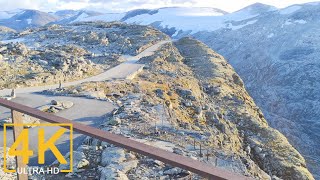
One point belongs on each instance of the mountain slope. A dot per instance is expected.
(9, 14)
(280, 66)
(186, 96)
(74, 16)
(179, 21)
(274, 50)
(28, 19)
(238, 104)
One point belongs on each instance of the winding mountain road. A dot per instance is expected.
(88, 111)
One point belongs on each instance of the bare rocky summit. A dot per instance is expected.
(53, 54)
(187, 100)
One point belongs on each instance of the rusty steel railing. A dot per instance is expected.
(173, 159)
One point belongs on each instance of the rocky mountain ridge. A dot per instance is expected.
(273, 62)
(273, 50)
(53, 54)
(28, 19)
(188, 93)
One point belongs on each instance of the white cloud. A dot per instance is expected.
(125, 5)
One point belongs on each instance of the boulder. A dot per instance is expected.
(54, 102)
(83, 163)
(257, 149)
(67, 104)
(159, 93)
(237, 80)
(112, 155)
(56, 106)
(248, 149)
(187, 104)
(184, 92)
(175, 171)
(114, 121)
(107, 173)
(52, 109)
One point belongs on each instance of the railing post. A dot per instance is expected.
(17, 118)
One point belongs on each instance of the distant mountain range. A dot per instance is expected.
(28, 19)
(275, 51)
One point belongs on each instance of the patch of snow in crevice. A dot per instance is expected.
(185, 11)
(290, 22)
(300, 21)
(289, 10)
(243, 25)
(176, 33)
(105, 17)
(29, 21)
(270, 35)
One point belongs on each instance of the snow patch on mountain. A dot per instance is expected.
(185, 19)
(185, 11)
(291, 22)
(241, 26)
(105, 17)
(29, 21)
(193, 19)
(290, 10)
(300, 21)
(270, 35)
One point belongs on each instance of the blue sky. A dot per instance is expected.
(125, 5)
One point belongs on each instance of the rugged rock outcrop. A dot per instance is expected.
(278, 59)
(189, 100)
(53, 54)
(271, 149)
(275, 51)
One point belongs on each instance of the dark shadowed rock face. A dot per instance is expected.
(278, 59)
(282, 159)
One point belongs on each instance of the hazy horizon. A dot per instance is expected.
(113, 6)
